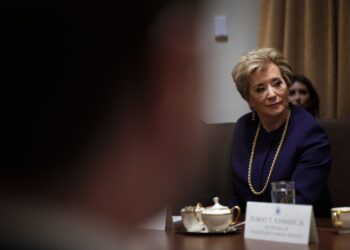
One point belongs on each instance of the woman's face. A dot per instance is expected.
(268, 92)
(299, 95)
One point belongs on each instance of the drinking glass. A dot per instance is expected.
(283, 192)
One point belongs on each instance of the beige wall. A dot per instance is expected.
(222, 102)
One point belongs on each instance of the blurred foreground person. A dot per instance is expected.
(303, 94)
(100, 110)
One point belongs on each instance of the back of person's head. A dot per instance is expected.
(77, 77)
(63, 69)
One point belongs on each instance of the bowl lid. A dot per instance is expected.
(217, 208)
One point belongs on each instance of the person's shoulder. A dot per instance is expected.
(244, 118)
(246, 121)
(304, 121)
(302, 117)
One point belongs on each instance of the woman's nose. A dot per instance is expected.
(297, 97)
(270, 92)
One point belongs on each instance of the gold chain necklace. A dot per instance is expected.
(273, 161)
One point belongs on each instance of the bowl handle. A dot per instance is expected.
(235, 217)
(336, 219)
(198, 216)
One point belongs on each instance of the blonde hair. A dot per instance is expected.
(254, 60)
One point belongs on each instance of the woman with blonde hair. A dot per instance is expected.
(277, 141)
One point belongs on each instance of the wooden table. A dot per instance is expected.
(148, 239)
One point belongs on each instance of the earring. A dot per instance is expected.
(253, 115)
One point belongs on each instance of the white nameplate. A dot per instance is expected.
(280, 222)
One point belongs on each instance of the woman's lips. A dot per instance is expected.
(274, 105)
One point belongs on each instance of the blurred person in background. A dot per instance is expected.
(100, 110)
(302, 93)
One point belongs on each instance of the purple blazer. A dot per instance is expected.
(305, 158)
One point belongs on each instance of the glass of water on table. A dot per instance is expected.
(283, 192)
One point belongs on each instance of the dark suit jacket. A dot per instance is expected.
(305, 158)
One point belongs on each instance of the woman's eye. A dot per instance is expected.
(291, 92)
(277, 84)
(303, 92)
(260, 90)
